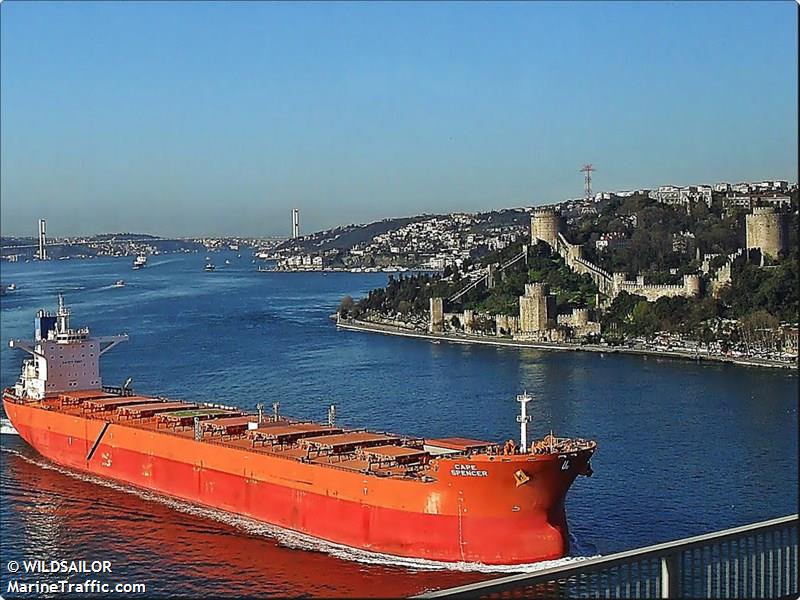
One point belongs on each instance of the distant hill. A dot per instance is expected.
(347, 236)
(121, 237)
(103, 244)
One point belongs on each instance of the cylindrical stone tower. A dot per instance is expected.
(765, 230)
(544, 226)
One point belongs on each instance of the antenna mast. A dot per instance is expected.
(523, 419)
(587, 170)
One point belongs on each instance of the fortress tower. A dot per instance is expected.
(537, 308)
(691, 285)
(765, 230)
(580, 317)
(544, 226)
(437, 315)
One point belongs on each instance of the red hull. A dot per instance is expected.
(491, 520)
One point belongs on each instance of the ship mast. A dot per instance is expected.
(523, 419)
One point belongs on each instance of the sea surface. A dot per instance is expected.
(684, 448)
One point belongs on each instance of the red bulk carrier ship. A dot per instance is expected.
(452, 499)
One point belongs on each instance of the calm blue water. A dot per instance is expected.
(683, 448)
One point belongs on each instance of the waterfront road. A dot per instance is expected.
(463, 338)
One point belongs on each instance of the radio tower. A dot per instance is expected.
(587, 169)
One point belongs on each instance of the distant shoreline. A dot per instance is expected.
(552, 346)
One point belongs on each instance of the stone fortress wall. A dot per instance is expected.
(545, 226)
(579, 322)
(689, 287)
(537, 318)
(723, 276)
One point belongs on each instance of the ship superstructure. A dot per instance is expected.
(63, 358)
(140, 262)
(447, 499)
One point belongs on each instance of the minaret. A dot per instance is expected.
(523, 419)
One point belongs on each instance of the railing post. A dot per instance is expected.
(670, 576)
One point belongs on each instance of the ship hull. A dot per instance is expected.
(490, 519)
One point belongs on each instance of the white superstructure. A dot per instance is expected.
(63, 358)
(523, 419)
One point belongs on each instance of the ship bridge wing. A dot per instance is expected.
(26, 345)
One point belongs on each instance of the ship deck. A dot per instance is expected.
(375, 453)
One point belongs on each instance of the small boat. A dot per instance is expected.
(139, 262)
(119, 283)
(227, 262)
(209, 267)
(12, 287)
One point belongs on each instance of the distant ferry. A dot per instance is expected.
(449, 499)
(140, 261)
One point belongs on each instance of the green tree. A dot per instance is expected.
(346, 306)
(644, 319)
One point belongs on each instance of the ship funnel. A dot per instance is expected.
(523, 419)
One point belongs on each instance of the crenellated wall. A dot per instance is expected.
(652, 292)
(544, 227)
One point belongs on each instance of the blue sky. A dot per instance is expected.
(217, 118)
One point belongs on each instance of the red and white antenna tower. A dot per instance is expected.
(587, 169)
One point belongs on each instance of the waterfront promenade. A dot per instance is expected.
(464, 338)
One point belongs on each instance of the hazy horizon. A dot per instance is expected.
(192, 119)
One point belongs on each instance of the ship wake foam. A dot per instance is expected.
(299, 541)
(6, 428)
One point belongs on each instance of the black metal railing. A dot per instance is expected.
(752, 561)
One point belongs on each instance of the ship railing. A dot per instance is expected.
(759, 560)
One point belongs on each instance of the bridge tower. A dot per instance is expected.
(42, 246)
